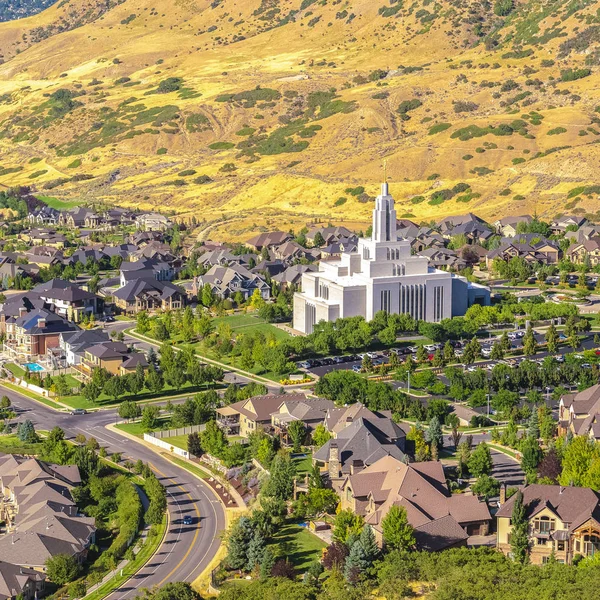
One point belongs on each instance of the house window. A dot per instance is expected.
(560, 546)
(544, 525)
(348, 494)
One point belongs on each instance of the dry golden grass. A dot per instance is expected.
(349, 149)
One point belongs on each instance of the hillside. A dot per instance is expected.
(272, 113)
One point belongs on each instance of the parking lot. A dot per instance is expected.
(353, 362)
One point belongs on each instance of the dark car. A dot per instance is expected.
(79, 411)
(187, 520)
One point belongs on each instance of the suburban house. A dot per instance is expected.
(20, 582)
(225, 282)
(311, 411)
(74, 343)
(292, 276)
(69, 300)
(330, 235)
(358, 445)
(115, 357)
(74, 218)
(244, 417)
(152, 222)
(588, 250)
(43, 215)
(573, 221)
(440, 519)
(42, 520)
(267, 240)
(146, 269)
(508, 226)
(580, 413)
(532, 247)
(149, 295)
(563, 522)
(33, 333)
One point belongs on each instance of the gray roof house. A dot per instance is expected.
(227, 281)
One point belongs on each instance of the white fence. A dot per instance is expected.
(165, 445)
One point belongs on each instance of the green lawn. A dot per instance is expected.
(298, 545)
(189, 467)
(78, 401)
(303, 465)
(11, 444)
(136, 428)
(59, 204)
(249, 322)
(16, 370)
(180, 441)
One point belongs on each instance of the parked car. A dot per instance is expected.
(430, 347)
(357, 368)
(413, 349)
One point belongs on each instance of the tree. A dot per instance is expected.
(297, 433)
(150, 418)
(345, 525)
(480, 462)
(529, 342)
(531, 454)
(207, 297)
(61, 386)
(26, 432)
(237, 541)
(281, 481)
(533, 430)
(552, 339)
(463, 455)
(318, 240)
(486, 486)
(114, 388)
(173, 591)
(434, 433)
(193, 444)
(154, 381)
(320, 436)
(335, 555)
(398, 534)
(213, 439)
(550, 467)
(62, 569)
(91, 392)
(448, 351)
(5, 402)
(519, 540)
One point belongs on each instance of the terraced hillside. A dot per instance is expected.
(262, 113)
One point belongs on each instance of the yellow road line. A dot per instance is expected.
(197, 530)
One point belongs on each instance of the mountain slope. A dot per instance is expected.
(265, 113)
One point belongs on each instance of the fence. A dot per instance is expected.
(167, 433)
(161, 438)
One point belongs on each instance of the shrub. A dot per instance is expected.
(340, 201)
(221, 146)
(186, 173)
(462, 106)
(406, 106)
(557, 131)
(502, 8)
(76, 163)
(438, 128)
(574, 74)
(202, 180)
(161, 151)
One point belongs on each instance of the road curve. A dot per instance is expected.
(187, 549)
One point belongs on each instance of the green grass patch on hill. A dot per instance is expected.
(302, 547)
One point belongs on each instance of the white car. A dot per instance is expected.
(431, 347)
(414, 349)
(486, 352)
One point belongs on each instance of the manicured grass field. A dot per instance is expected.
(11, 444)
(16, 370)
(303, 465)
(189, 467)
(180, 441)
(300, 546)
(136, 428)
(59, 204)
(250, 323)
(31, 395)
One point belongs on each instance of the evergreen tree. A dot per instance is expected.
(255, 552)
(367, 541)
(356, 563)
(519, 540)
(434, 434)
(281, 481)
(448, 351)
(529, 343)
(533, 429)
(552, 339)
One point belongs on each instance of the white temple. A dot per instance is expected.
(381, 275)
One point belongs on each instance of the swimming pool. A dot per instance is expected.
(34, 367)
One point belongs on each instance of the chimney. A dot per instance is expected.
(502, 494)
(42, 323)
(356, 466)
(22, 311)
(334, 460)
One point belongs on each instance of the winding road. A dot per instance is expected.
(187, 549)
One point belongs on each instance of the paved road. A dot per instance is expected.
(186, 550)
(505, 468)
